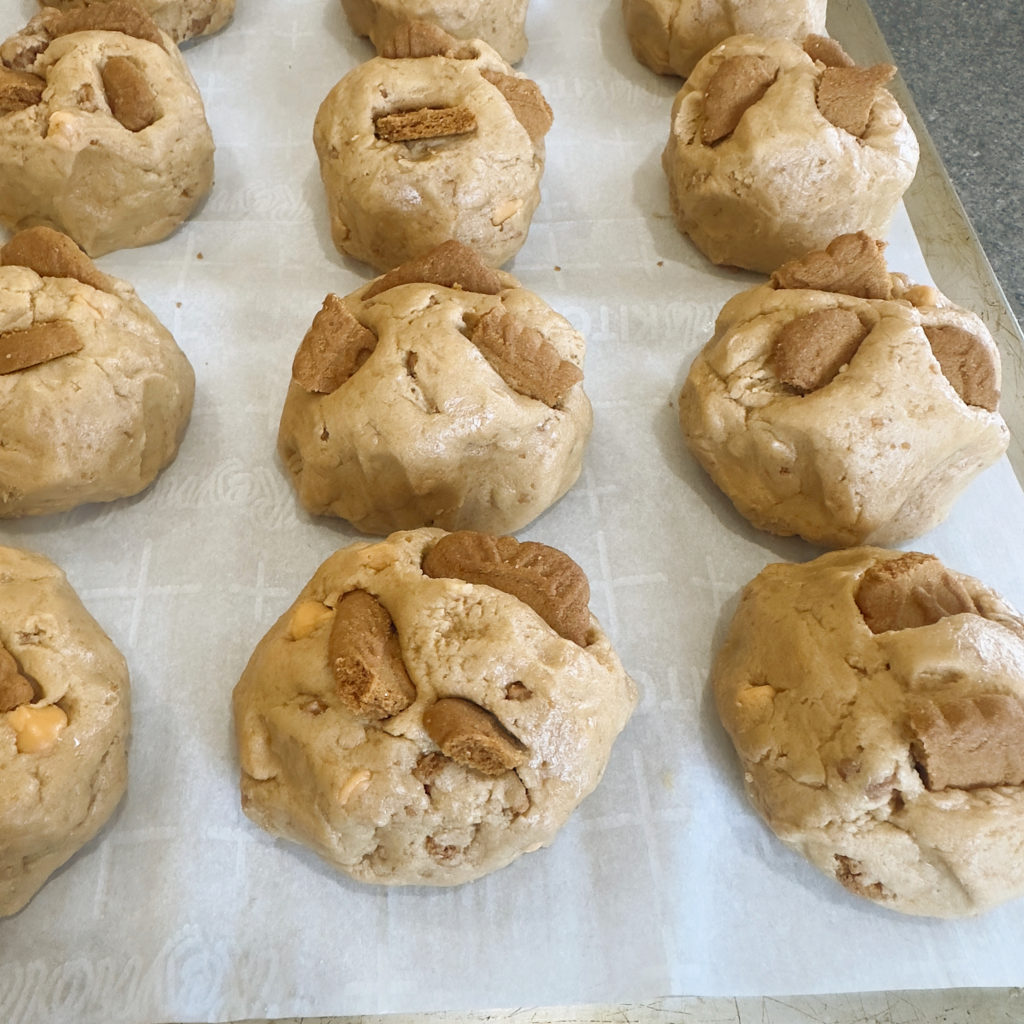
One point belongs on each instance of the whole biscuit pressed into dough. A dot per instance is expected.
(98, 423)
(114, 148)
(670, 36)
(427, 431)
(392, 794)
(499, 23)
(876, 454)
(63, 765)
(464, 160)
(180, 19)
(779, 178)
(890, 754)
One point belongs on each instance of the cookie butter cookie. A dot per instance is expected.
(102, 129)
(95, 394)
(876, 701)
(774, 149)
(844, 403)
(499, 23)
(670, 36)
(64, 718)
(180, 19)
(436, 139)
(431, 706)
(441, 394)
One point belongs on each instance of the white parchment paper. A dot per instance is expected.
(665, 881)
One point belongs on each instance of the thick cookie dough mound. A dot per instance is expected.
(844, 403)
(94, 393)
(876, 701)
(499, 23)
(670, 36)
(436, 140)
(773, 152)
(441, 394)
(102, 129)
(64, 715)
(180, 19)
(431, 706)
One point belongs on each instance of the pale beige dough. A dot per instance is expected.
(817, 707)
(876, 456)
(97, 424)
(68, 163)
(376, 798)
(670, 36)
(499, 23)
(426, 432)
(180, 19)
(53, 800)
(391, 201)
(785, 180)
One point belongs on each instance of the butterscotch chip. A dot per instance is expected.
(810, 350)
(107, 16)
(852, 264)
(508, 729)
(366, 658)
(526, 100)
(912, 590)
(450, 264)
(129, 95)
(892, 760)
(471, 736)
(828, 51)
(15, 689)
(971, 366)
(53, 254)
(425, 123)
(738, 83)
(334, 347)
(971, 742)
(523, 357)
(847, 95)
(546, 579)
(19, 89)
(37, 344)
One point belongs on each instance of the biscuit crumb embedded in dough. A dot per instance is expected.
(37, 344)
(53, 254)
(828, 51)
(970, 366)
(738, 83)
(851, 264)
(810, 350)
(334, 347)
(19, 89)
(847, 95)
(425, 123)
(471, 736)
(15, 689)
(451, 264)
(129, 94)
(103, 16)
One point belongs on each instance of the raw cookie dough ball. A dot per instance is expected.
(63, 725)
(180, 19)
(876, 701)
(499, 23)
(416, 150)
(844, 403)
(441, 394)
(431, 706)
(102, 129)
(94, 393)
(670, 36)
(772, 153)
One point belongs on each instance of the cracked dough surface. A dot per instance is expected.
(124, 398)
(180, 19)
(816, 705)
(391, 201)
(68, 163)
(786, 180)
(499, 23)
(315, 773)
(54, 801)
(670, 36)
(426, 433)
(876, 456)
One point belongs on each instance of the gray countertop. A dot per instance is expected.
(960, 60)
